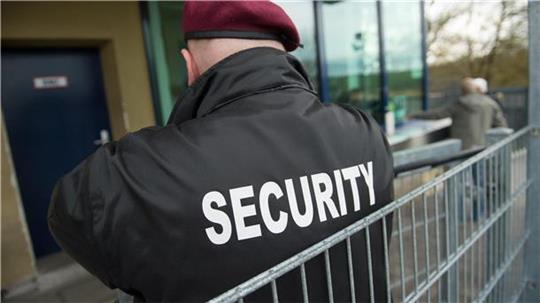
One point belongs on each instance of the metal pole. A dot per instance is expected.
(532, 249)
(324, 86)
(383, 77)
(425, 70)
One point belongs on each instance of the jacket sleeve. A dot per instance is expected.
(438, 113)
(498, 117)
(76, 213)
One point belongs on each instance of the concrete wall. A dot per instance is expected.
(17, 254)
(114, 28)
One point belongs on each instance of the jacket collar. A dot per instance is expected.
(241, 74)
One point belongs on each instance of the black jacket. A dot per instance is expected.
(251, 169)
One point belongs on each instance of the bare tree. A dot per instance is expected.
(502, 28)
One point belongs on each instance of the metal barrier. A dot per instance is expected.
(459, 237)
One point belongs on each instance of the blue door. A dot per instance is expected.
(55, 112)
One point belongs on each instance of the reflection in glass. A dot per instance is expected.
(302, 15)
(166, 41)
(173, 40)
(352, 53)
(403, 55)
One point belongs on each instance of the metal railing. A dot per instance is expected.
(458, 237)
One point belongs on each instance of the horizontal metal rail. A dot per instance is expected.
(436, 161)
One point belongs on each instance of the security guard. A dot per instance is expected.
(251, 169)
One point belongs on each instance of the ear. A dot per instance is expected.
(192, 68)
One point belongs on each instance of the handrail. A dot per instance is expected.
(436, 161)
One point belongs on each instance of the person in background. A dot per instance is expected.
(483, 88)
(482, 85)
(472, 115)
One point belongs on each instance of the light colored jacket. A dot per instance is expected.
(472, 115)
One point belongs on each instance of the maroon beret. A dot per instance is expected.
(239, 19)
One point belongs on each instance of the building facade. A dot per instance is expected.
(368, 54)
(75, 74)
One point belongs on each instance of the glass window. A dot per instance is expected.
(403, 55)
(352, 53)
(166, 40)
(303, 17)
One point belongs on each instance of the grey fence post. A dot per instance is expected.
(502, 169)
(532, 248)
(495, 135)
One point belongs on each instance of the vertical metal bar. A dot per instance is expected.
(470, 215)
(464, 227)
(328, 276)
(447, 221)
(478, 195)
(386, 262)
(370, 267)
(426, 243)
(351, 270)
(504, 218)
(478, 267)
(470, 272)
(499, 263)
(415, 253)
(473, 270)
(485, 259)
(383, 77)
(449, 280)
(401, 261)
(478, 245)
(438, 244)
(496, 183)
(489, 252)
(439, 293)
(486, 212)
(497, 223)
(464, 204)
(305, 294)
(426, 236)
(470, 209)
(485, 188)
(457, 279)
(456, 212)
(456, 208)
(274, 292)
(437, 231)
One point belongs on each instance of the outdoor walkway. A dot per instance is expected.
(62, 280)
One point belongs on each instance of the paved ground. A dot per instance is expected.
(61, 280)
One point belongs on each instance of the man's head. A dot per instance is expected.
(468, 86)
(215, 30)
(481, 85)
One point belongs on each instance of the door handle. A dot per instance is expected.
(103, 137)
